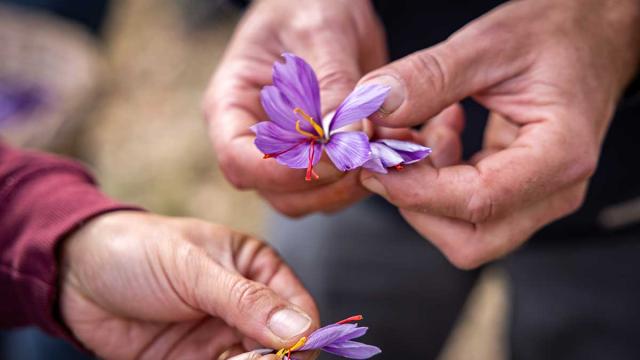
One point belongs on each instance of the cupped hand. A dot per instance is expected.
(551, 73)
(342, 40)
(137, 285)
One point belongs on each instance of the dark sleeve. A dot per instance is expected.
(42, 199)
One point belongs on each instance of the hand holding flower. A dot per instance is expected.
(137, 285)
(551, 97)
(341, 40)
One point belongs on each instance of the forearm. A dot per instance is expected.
(42, 198)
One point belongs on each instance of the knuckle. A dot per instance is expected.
(247, 295)
(229, 167)
(432, 70)
(575, 200)
(334, 76)
(465, 257)
(480, 207)
(586, 166)
(285, 208)
(307, 29)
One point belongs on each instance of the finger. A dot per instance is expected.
(257, 261)
(528, 170)
(331, 197)
(499, 132)
(469, 245)
(208, 340)
(334, 57)
(381, 132)
(425, 82)
(373, 50)
(235, 350)
(253, 308)
(498, 135)
(442, 134)
(254, 355)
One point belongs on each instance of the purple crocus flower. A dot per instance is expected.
(336, 339)
(388, 153)
(296, 135)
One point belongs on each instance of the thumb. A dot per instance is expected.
(251, 307)
(426, 82)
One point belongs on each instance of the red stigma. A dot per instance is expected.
(350, 319)
(310, 171)
(399, 167)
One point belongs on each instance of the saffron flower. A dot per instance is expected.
(387, 153)
(296, 136)
(336, 339)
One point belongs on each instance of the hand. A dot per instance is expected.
(137, 285)
(551, 73)
(341, 39)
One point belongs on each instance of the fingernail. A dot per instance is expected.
(289, 323)
(396, 94)
(372, 184)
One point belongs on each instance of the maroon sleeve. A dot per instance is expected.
(42, 198)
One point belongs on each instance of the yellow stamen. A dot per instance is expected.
(282, 352)
(313, 123)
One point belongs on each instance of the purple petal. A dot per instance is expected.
(382, 157)
(410, 152)
(328, 335)
(298, 156)
(272, 139)
(353, 350)
(386, 154)
(362, 102)
(278, 108)
(356, 333)
(296, 80)
(289, 148)
(348, 150)
(375, 165)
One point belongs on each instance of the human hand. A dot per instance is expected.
(551, 73)
(341, 39)
(137, 285)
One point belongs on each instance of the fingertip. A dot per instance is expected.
(446, 145)
(370, 182)
(394, 100)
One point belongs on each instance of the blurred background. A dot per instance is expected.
(118, 85)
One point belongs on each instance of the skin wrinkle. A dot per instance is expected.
(148, 346)
(176, 344)
(99, 328)
(163, 269)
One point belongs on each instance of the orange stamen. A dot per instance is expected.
(305, 133)
(310, 120)
(399, 167)
(350, 319)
